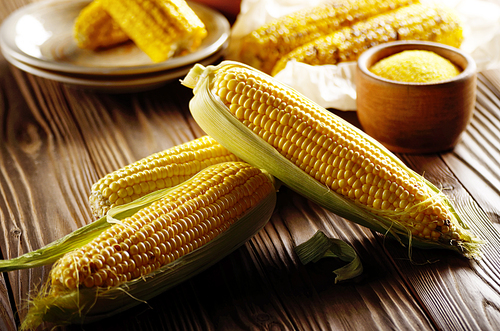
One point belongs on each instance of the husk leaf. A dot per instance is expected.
(320, 246)
(50, 253)
(212, 115)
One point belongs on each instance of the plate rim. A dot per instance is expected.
(115, 83)
(172, 63)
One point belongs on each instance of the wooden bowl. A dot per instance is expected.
(415, 117)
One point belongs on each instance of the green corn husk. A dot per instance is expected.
(52, 252)
(211, 114)
(319, 246)
(88, 305)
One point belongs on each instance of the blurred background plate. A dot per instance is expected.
(41, 35)
(114, 84)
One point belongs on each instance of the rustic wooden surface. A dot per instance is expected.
(57, 140)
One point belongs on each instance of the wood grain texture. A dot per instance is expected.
(379, 298)
(57, 140)
(469, 288)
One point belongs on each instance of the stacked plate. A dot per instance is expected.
(38, 39)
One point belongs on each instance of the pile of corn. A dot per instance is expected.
(340, 31)
(206, 197)
(161, 28)
(415, 66)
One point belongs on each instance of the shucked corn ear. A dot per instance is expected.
(428, 22)
(322, 156)
(161, 28)
(157, 171)
(94, 28)
(159, 246)
(265, 46)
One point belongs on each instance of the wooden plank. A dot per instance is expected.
(60, 140)
(442, 281)
(14, 126)
(7, 320)
(43, 192)
(378, 299)
(468, 288)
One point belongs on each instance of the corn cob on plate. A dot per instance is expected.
(56, 50)
(322, 157)
(95, 29)
(150, 248)
(161, 28)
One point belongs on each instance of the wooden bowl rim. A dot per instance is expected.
(469, 70)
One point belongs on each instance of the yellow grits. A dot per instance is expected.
(415, 66)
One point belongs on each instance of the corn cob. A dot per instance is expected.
(157, 171)
(180, 234)
(265, 46)
(322, 156)
(94, 28)
(161, 28)
(428, 22)
(184, 220)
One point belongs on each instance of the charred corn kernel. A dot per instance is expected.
(428, 22)
(161, 28)
(187, 218)
(94, 28)
(263, 47)
(348, 153)
(160, 170)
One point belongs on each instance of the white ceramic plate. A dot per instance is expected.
(113, 84)
(41, 35)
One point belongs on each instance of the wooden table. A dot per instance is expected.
(57, 140)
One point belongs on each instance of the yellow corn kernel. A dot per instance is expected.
(94, 28)
(324, 141)
(265, 46)
(161, 28)
(157, 171)
(428, 22)
(187, 218)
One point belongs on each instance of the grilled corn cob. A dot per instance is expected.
(157, 171)
(266, 45)
(428, 22)
(191, 227)
(161, 28)
(321, 156)
(94, 28)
